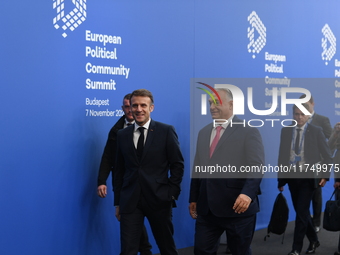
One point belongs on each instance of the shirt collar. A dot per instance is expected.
(146, 125)
(225, 125)
(302, 127)
(127, 123)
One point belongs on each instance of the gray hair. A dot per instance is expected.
(228, 93)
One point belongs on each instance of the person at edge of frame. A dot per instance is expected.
(323, 122)
(302, 146)
(334, 145)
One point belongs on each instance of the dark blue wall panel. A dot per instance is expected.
(51, 149)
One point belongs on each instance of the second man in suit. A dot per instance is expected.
(225, 204)
(324, 123)
(303, 148)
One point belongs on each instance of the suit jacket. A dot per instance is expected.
(324, 123)
(238, 146)
(334, 145)
(109, 155)
(157, 175)
(315, 150)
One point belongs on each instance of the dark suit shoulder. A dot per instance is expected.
(117, 126)
(205, 131)
(314, 128)
(285, 129)
(125, 131)
(324, 123)
(163, 127)
(155, 124)
(319, 117)
(310, 128)
(237, 122)
(207, 127)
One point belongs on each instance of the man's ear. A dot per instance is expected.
(152, 107)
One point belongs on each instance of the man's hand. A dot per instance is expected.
(242, 203)
(192, 210)
(117, 214)
(102, 191)
(322, 182)
(337, 128)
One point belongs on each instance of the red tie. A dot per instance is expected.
(215, 141)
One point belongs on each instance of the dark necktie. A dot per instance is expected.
(140, 143)
(297, 141)
(297, 145)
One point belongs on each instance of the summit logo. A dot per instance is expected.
(328, 40)
(256, 27)
(71, 20)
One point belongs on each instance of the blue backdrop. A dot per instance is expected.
(60, 56)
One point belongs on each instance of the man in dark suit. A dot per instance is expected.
(324, 123)
(334, 145)
(225, 202)
(108, 160)
(149, 172)
(303, 149)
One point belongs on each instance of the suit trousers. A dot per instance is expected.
(239, 230)
(131, 226)
(301, 191)
(144, 244)
(317, 206)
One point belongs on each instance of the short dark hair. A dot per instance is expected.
(127, 96)
(142, 93)
(311, 100)
(304, 105)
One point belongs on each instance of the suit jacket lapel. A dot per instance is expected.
(149, 138)
(228, 132)
(288, 141)
(206, 141)
(307, 142)
(132, 144)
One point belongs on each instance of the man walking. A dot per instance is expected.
(149, 172)
(107, 165)
(302, 147)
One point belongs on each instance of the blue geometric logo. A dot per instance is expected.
(71, 20)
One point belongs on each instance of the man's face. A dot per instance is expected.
(224, 111)
(141, 108)
(300, 117)
(127, 110)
